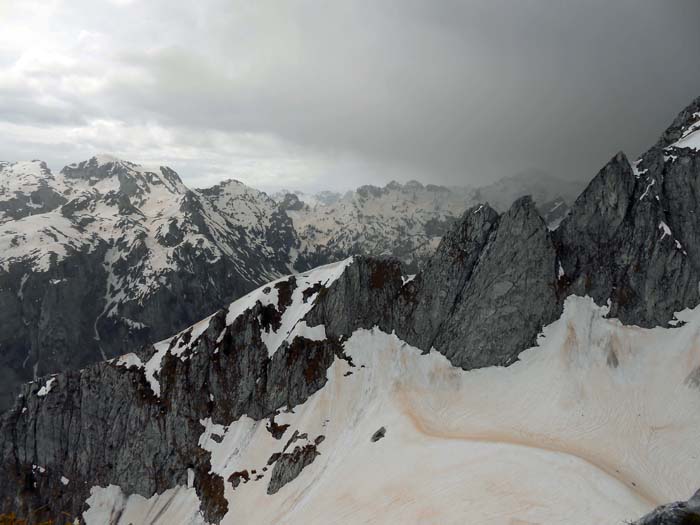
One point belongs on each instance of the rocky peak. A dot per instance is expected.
(618, 242)
(491, 274)
(291, 202)
(28, 188)
(483, 298)
(686, 122)
(107, 173)
(97, 167)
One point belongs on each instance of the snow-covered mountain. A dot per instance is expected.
(109, 254)
(408, 220)
(28, 188)
(523, 375)
(403, 220)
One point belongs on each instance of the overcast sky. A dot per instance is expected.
(332, 94)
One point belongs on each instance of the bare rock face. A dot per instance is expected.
(495, 304)
(679, 513)
(105, 424)
(618, 243)
(290, 464)
(110, 255)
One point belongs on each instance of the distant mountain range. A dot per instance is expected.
(407, 220)
(108, 254)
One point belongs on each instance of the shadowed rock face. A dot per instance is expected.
(618, 242)
(492, 285)
(679, 513)
(104, 424)
(490, 274)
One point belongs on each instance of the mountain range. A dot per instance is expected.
(108, 254)
(523, 375)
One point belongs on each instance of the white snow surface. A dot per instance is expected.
(597, 424)
(44, 390)
(691, 136)
(109, 505)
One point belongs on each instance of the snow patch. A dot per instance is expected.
(176, 506)
(129, 360)
(44, 390)
(665, 229)
(646, 191)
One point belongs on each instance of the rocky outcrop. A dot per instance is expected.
(290, 464)
(626, 241)
(679, 513)
(488, 291)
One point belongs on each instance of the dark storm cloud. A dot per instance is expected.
(341, 93)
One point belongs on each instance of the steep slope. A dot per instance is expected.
(127, 255)
(256, 415)
(352, 393)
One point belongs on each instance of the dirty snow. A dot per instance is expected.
(598, 424)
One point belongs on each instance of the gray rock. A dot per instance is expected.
(104, 424)
(379, 434)
(289, 465)
(508, 295)
(618, 243)
(679, 513)
(86, 308)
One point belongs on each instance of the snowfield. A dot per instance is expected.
(597, 424)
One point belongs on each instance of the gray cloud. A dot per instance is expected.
(334, 94)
